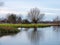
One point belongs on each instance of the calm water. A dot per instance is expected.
(43, 36)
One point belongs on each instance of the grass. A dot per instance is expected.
(24, 25)
(8, 29)
(12, 28)
(5, 30)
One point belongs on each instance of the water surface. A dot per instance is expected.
(43, 36)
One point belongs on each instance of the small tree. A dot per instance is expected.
(19, 20)
(57, 20)
(25, 21)
(35, 15)
(12, 18)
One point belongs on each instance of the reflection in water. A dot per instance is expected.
(6, 34)
(34, 37)
(35, 29)
(42, 36)
(26, 29)
(56, 28)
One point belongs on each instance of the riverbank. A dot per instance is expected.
(27, 25)
(13, 28)
(5, 30)
(24, 25)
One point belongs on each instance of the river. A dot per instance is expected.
(27, 36)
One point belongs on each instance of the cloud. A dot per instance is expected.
(1, 3)
(6, 11)
(51, 11)
(24, 11)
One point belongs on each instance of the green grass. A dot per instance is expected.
(12, 28)
(24, 25)
(8, 31)
(8, 28)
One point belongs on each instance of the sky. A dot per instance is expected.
(51, 8)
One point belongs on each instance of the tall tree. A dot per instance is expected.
(12, 18)
(34, 15)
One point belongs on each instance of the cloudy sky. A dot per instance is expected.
(51, 8)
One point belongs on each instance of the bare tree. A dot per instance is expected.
(57, 20)
(35, 15)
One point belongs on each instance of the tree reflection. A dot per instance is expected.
(56, 28)
(26, 29)
(6, 34)
(35, 29)
(34, 36)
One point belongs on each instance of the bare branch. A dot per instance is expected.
(34, 15)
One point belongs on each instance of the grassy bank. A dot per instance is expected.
(7, 30)
(12, 28)
(24, 25)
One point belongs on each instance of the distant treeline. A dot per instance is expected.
(14, 19)
(25, 21)
(33, 16)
